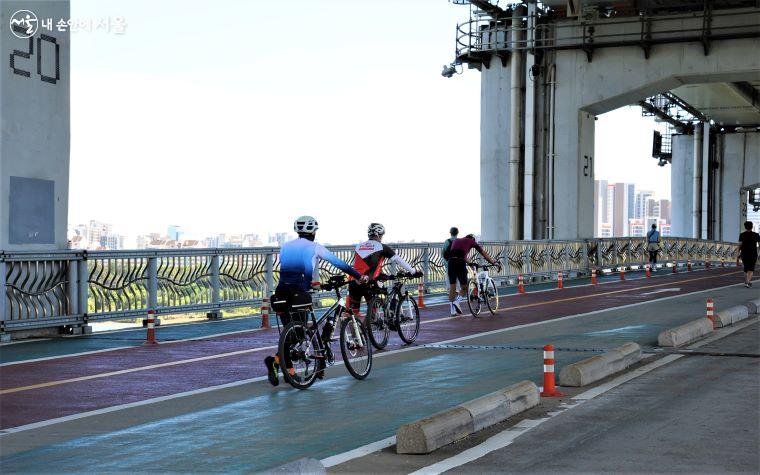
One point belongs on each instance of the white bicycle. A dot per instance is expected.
(482, 289)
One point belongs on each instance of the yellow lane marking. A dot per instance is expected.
(579, 297)
(132, 370)
(252, 350)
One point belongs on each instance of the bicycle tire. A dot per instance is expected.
(413, 322)
(474, 303)
(295, 333)
(348, 349)
(492, 296)
(375, 323)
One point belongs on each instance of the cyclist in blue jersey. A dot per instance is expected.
(299, 272)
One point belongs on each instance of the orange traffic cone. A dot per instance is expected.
(559, 281)
(520, 285)
(550, 390)
(593, 276)
(420, 293)
(711, 311)
(675, 267)
(622, 273)
(688, 265)
(648, 270)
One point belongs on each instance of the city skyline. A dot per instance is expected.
(624, 210)
(225, 155)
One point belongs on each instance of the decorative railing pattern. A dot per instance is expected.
(72, 287)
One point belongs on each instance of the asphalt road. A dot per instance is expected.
(248, 427)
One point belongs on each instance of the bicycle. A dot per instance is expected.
(481, 288)
(301, 344)
(392, 309)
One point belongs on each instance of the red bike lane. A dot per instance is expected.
(42, 390)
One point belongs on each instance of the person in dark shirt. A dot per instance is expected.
(748, 241)
(457, 269)
(446, 253)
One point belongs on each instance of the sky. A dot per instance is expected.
(238, 116)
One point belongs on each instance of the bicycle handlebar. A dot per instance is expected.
(483, 266)
(399, 276)
(334, 282)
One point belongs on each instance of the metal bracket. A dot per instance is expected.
(646, 35)
(706, 23)
(588, 41)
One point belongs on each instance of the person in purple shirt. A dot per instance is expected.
(458, 252)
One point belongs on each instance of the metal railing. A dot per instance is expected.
(482, 33)
(75, 287)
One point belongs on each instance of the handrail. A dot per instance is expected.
(44, 289)
(484, 34)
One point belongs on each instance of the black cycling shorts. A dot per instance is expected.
(749, 263)
(355, 293)
(458, 271)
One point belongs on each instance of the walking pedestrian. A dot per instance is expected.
(653, 246)
(748, 241)
(446, 251)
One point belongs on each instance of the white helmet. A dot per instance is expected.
(375, 229)
(305, 225)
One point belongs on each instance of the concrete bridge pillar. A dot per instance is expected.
(682, 186)
(495, 125)
(34, 122)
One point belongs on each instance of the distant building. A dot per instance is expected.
(113, 242)
(174, 232)
(621, 210)
(95, 232)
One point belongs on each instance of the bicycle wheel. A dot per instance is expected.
(300, 349)
(355, 348)
(408, 319)
(473, 301)
(375, 323)
(491, 296)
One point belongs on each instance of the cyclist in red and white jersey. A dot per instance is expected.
(369, 257)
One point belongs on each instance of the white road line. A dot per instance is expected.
(506, 437)
(358, 452)
(383, 354)
(104, 350)
(213, 335)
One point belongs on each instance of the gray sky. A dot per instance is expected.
(238, 116)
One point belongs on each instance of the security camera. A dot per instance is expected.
(448, 70)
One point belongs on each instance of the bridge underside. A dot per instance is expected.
(542, 88)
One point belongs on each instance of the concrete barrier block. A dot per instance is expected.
(599, 367)
(731, 315)
(522, 396)
(487, 410)
(426, 435)
(753, 307)
(300, 466)
(685, 333)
